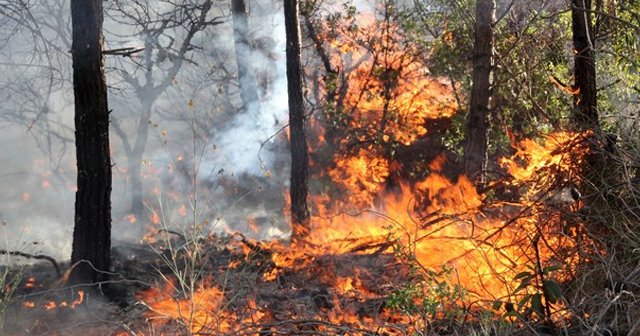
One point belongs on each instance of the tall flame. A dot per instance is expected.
(439, 221)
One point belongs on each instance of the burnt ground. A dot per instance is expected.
(319, 294)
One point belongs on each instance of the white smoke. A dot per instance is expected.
(244, 143)
(44, 217)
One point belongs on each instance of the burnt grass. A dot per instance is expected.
(299, 299)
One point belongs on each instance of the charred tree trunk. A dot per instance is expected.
(248, 85)
(475, 151)
(92, 230)
(585, 100)
(299, 155)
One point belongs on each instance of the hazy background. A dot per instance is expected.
(203, 150)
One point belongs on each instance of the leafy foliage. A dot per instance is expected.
(536, 291)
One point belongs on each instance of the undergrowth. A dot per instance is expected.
(604, 292)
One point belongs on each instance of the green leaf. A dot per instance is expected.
(522, 275)
(551, 291)
(497, 304)
(550, 269)
(524, 284)
(524, 301)
(536, 304)
(512, 313)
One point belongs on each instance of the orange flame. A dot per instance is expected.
(437, 220)
(199, 312)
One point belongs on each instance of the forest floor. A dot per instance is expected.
(326, 294)
(233, 286)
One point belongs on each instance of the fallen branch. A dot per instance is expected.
(35, 256)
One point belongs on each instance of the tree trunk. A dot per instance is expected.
(92, 230)
(299, 155)
(248, 85)
(585, 100)
(134, 160)
(597, 168)
(135, 187)
(475, 151)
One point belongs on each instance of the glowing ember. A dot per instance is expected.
(182, 211)
(51, 304)
(45, 184)
(132, 218)
(79, 300)
(31, 282)
(155, 218)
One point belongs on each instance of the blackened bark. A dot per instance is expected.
(92, 230)
(299, 155)
(475, 151)
(585, 100)
(248, 85)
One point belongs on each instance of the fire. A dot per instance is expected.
(155, 218)
(344, 285)
(31, 283)
(132, 218)
(449, 223)
(561, 152)
(252, 225)
(52, 304)
(199, 312)
(364, 175)
(443, 223)
(389, 97)
(440, 225)
(79, 300)
(182, 210)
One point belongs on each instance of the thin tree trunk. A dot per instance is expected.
(135, 158)
(92, 230)
(585, 100)
(135, 186)
(475, 151)
(248, 85)
(597, 168)
(149, 90)
(299, 155)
